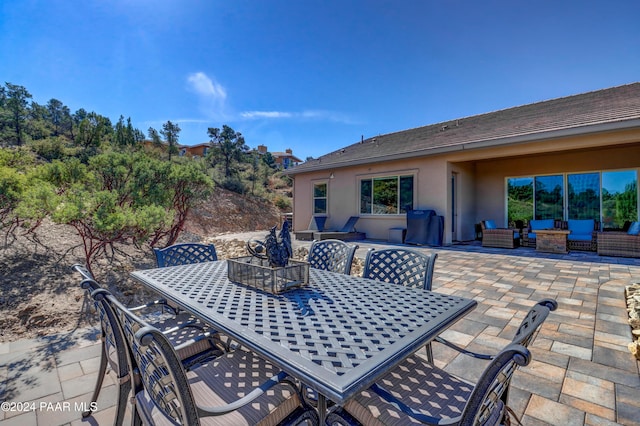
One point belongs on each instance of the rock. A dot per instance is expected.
(635, 349)
(633, 307)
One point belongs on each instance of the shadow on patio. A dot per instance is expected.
(582, 372)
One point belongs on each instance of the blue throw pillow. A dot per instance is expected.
(489, 224)
(634, 229)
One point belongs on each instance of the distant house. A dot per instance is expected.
(284, 159)
(565, 158)
(200, 150)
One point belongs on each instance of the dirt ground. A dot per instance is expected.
(40, 294)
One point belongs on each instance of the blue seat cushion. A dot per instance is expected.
(531, 235)
(541, 224)
(516, 235)
(489, 224)
(579, 237)
(634, 229)
(580, 226)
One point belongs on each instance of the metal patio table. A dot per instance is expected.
(337, 335)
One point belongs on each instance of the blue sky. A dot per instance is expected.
(312, 75)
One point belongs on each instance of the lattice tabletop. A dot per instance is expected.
(337, 335)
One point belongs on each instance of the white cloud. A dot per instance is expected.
(206, 87)
(319, 115)
(265, 114)
(213, 96)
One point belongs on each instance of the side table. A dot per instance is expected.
(552, 240)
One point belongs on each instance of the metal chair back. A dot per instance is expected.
(426, 394)
(332, 255)
(82, 270)
(114, 353)
(487, 403)
(184, 254)
(461, 404)
(159, 367)
(531, 323)
(401, 266)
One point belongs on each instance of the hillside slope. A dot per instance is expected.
(40, 295)
(228, 212)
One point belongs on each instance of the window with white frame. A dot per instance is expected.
(320, 198)
(386, 195)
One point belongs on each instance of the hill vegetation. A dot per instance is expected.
(75, 188)
(108, 182)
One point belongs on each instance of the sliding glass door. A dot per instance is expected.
(549, 195)
(609, 196)
(583, 197)
(619, 198)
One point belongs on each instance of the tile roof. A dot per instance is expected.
(616, 107)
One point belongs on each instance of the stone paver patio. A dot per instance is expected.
(582, 372)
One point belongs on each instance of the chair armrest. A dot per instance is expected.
(191, 323)
(386, 395)
(186, 344)
(232, 406)
(505, 231)
(462, 350)
(160, 302)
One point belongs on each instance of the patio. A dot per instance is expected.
(582, 372)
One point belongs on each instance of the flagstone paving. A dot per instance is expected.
(582, 372)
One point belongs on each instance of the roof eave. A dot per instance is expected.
(479, 144)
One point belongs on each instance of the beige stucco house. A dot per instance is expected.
(565, 158)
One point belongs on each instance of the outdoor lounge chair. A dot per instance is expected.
(184, 254)
(315, 225)
(347, 233)
(193, 342)
(237, 388)
(493, 236)
(332, 255)
(418, 392)
(402, 266)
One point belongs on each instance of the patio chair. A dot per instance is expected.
(525, 333)
(162, 303)
(625, 244)
(402, 266)
(191, 339)
(583, 234)
(184, 254)
(492, 236)
(237, 388)
(447, 399)
(332, 255)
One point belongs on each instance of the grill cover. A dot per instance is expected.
(424, 227)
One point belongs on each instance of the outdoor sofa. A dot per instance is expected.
(583, 235)
(623, 244)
